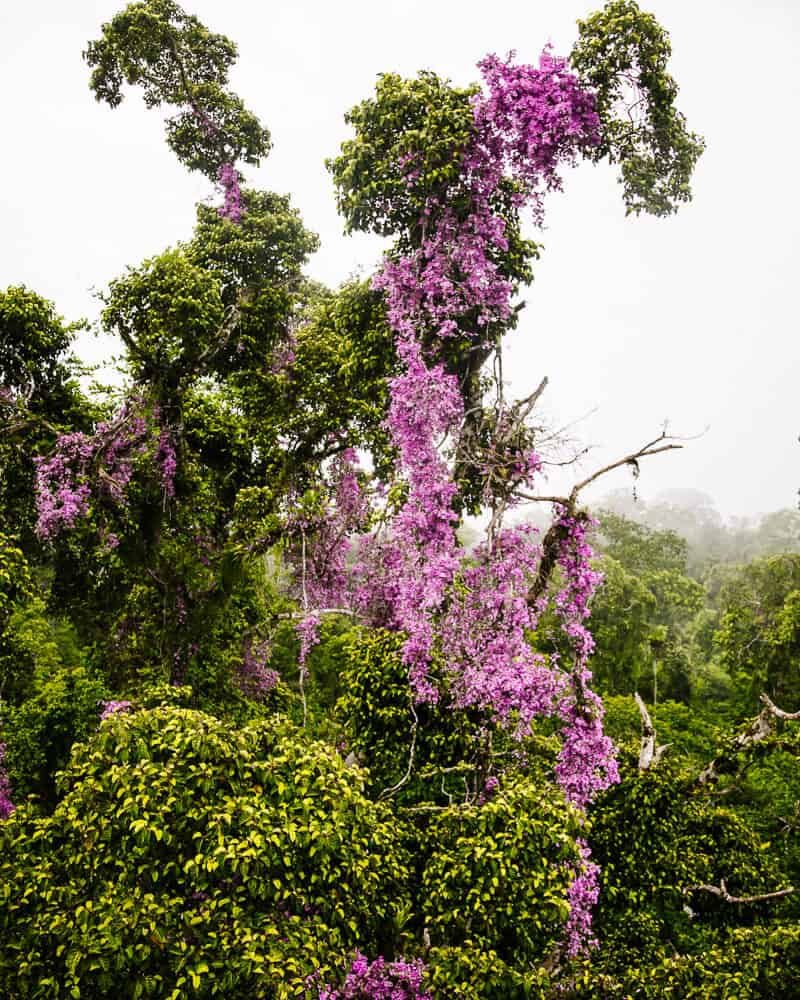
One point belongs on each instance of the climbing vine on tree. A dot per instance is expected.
(320, 746)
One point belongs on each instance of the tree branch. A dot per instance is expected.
(758, 730)
(649, 754)
(721, 892)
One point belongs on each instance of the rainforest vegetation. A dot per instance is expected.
(308, 686)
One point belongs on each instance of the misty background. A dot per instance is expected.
(689, 319)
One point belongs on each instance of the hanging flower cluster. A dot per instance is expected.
(378, 980)
(254, 677)
(472, 613)
(6, 805)
(527, 123)
(586, 763)
(483, 634)
(582, 895)
(228, 179)
(83, 468)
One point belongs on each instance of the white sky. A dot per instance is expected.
(691, 318)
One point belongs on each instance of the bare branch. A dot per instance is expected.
(779, 712)
(759, 729)
(395, 788)
(649, 754)
(721, 892)
(632, 459)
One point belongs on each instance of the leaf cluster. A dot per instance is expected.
(622, 53)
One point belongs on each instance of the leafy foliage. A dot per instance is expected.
(177, 61)
(187, 855)
(622, 54)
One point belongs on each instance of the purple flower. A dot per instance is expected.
(6, 805)
(112, 707)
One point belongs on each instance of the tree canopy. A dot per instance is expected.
(269, 727)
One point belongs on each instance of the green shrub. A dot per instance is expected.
(40, 732)
(497, 874)
(188, 858)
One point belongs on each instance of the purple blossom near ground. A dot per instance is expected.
(583, 893)
(113, 707)
(378, 980)
(6, 805)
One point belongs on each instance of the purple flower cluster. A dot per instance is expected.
(83, 468)
(583, 893)
(475, 612)
(254, 677)
(167, 462)
(379, 980)
(308, 632)
(228, 179)
(586, 763)
(61, 495)
(425, 406)
(321, 542)
(528, 121)
(6, 805)
(483, 634)
(112, 707)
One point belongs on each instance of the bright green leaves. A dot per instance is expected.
(39, 396)
(185, 851)
(409, 140)
(33, 341)
(168, 313)
(622, 53)
(15, 577)
(498, 874)
(269, 246)
(178, 61)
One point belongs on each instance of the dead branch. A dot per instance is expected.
(778, 712)
(396, 787)
(758, 730)
(631, 460)
(649, 754)
(721, 892)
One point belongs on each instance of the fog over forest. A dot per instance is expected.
(689, 318)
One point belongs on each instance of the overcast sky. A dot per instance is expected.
(690, 319)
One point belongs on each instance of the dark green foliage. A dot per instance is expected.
(693, 738)
(622, 53)
(623, 655)
(375, 711)
(639, 548)
(334, 391)
(267, 247)
(759, 632)
(39, 734)
(16, 589)
(757, 962)
(39, 397)
(186, 857)
(497, 874)
(474, 972)
(642, 615)
(177, 61)
(167, 312)
(655, 835)
(422, 125)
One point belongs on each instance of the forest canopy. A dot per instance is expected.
(269, 726)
